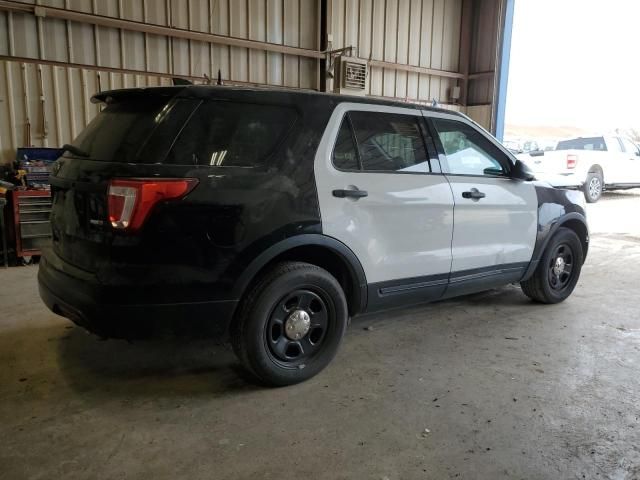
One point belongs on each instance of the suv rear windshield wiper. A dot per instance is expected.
(73, 149)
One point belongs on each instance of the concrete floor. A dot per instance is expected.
(505, 388)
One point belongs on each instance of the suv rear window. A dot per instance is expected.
(590, 143)
(118, 133)
(231, 134)
(217, 132)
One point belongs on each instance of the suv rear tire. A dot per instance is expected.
(291, 324)
(559, 269)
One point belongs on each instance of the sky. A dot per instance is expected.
(575, 63)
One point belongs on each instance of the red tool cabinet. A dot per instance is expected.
(31, 211)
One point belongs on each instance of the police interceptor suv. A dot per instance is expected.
(272, 217)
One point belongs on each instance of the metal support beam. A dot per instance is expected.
(414, 68)
(466, 35)
(84, 66)
(479, 75)
(323, 14)
(503, 70)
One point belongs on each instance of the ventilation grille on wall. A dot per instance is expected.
(355, 75)
(352, 77)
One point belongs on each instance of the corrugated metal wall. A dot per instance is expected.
(486, 34)
(286, 22)
(486, 22)
(50, 67)
(423, 33)
(48, 104)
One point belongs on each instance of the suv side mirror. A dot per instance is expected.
(521, 171)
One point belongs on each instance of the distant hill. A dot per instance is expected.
(539, 131)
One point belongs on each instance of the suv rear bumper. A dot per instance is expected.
(83, 303)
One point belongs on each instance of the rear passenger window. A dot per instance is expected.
(231, 134)
(389, 142)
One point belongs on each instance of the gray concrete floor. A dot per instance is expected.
(505, 387)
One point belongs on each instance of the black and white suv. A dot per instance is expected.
(274, 216)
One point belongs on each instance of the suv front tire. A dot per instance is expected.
(559, 269)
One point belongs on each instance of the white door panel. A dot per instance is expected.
(618, 168)
(632, 174)
(614, 167)
(634, 170)
(402, 228)
(630, 162)
(497, 229)
(613, 162)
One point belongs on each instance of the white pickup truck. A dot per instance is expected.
(592, 164)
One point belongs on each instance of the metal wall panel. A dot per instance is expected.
(48, 105)
(27, 121)
(486, 34)
(287, 22)
(44, 101)
(481, 114)
(423, 33)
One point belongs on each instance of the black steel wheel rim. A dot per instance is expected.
(561, 267)
(283, 345)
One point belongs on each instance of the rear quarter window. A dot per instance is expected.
(590, 143)
(231, 134)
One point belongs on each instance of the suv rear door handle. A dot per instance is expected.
(350, 193)
(473, 194)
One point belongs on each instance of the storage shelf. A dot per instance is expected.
(28, 204)
(37, 235)
(26, 212)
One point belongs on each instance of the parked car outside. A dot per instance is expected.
(593, 164)
(514, 146)
(271, 217)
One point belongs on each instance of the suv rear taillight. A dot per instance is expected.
(572, 161)
(131, 200)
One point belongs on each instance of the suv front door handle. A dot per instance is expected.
(356, 193)
(474, 194)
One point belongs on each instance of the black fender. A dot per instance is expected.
(546, 231)
(357, 275)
